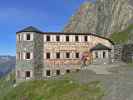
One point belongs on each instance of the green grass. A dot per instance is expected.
(122, 37)
(55, 90)
(6, 84)
(130, 64)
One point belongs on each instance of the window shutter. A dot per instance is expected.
(31, 35)
(24, 55)
(24, 37)
(31, 55)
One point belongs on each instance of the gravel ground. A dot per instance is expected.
(117, 79)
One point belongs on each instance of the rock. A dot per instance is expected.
(84, 20)
(103, 17)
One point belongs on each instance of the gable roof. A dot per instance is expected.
(100, 47)
(30, 29)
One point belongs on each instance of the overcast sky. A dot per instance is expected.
(47, 15)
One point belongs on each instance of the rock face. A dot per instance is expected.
(84, 20)
(103, 17)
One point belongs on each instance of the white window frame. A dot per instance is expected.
(25, 36)
(31, 55)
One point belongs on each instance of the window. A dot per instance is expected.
(57, 72)
(48, 72)
(57, 38)
(77, 55)
(76, 38)
(67, 71)
(28, 74)
(67, 55)
(47, 38)
(104, 55)
(48, 55)
(28, 37)
(28, 55)
(96, 54)
(67, 38)
(58, 55)
(85, 38)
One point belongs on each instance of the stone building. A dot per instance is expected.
(101, 54)
(44, 54)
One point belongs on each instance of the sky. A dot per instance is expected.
(46, 15)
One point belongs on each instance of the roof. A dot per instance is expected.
(30, 29)
(34, 29)
(100, 47)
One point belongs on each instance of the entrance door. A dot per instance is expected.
(27, 74)
(86, 58)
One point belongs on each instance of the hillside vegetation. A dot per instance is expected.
(54, 90)
(122, 37)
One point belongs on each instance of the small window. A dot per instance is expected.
(58, 55)
(28, 37)
(86, 38)
(28, 55)
(48, 38)
(57, 38)
(67, 55)
(96, 54)
(76, 38)
(104, 54)
(57, 72)
(67, 71)
(77, 55)
(67, 38)
(28, 74)
(48, 55)
(48, 72)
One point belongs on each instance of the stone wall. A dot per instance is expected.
(22, 65)
(123, 52)
(38, 56)
(127, 53)
(118, 52)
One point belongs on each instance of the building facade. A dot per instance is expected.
(44, 54)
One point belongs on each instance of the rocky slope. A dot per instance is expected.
(103, 17)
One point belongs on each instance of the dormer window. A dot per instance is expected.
(28, 36)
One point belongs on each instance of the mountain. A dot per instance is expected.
(7, 63)
(103, 17)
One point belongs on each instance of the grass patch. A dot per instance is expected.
(130, 64)
(55, 90)
(122, 37)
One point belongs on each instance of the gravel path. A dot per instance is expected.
(117, 80)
